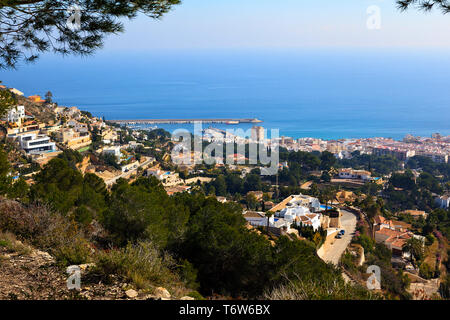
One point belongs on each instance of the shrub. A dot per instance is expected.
(196, 295)
(10, 243)
(74, 253)
(425, 271)
(347, 261)
(320, 290)
(429, 239)
(141, 264)
(38, 225)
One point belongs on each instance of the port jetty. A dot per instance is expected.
(184, 121)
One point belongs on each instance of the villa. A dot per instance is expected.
(348, 173)
(114, 150)
(36, 144)
(16, 115)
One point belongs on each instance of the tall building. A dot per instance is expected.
(257, 133)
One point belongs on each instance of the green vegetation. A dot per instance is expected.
(141, 263)
(7, 101)
(378, 165)
(139, 233)
(156, 239)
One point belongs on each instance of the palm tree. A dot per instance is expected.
(416, 250)
(269, 214)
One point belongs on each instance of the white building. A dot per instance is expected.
(259, 219)
(313, 204)
(157, 173)
(36, 144)
(115, 151)
(443, 202)
(349, 173)
(16, 92)
(77, 126)
(301, 216)
(16, 115)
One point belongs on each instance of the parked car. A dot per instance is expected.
(342, 232)
(338, 236)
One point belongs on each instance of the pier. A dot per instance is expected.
(184, 121)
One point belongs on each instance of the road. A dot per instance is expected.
(125, 175)
(334, 248)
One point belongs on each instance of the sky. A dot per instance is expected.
(283, 24)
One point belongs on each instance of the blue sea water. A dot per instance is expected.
(323, 93)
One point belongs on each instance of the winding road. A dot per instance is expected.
(334, 248)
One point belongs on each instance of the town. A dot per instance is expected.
(343, 196)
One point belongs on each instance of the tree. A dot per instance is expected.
(252, 201)
(416, 248)
(28, 28)
(268, 215)
(58, 184)
(18, 190)
(48, 97)
(5, 167)
(7, 101)
(220, 186)
(142, 211)
(427, 5)
(327, 160)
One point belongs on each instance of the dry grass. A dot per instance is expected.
(430, 257)
(319, 290)
(9, 242)
(37, 224)
(141, 264)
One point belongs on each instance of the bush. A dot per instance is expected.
(425, 271)
(366, 242)
(10, 243)
(141, 264)
(196, 295)
(429, 239)
(347, 261)
(47, 230)
(318, 290)
(74, 253)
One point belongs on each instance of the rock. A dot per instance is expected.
(131, 293)
(84, 267)
(44, 255)
(186, 298)
(162, 293)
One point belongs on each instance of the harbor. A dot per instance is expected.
(185, 121)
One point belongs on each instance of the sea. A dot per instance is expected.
(322, 93)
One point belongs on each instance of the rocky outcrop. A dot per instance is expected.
(36, 276)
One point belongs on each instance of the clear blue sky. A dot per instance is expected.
(283, 24)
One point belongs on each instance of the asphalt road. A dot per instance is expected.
(336, 247)
(126, 175)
